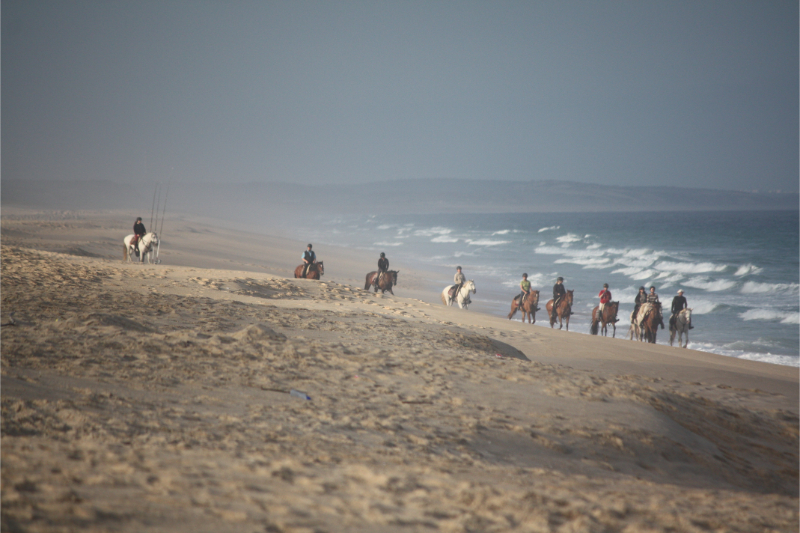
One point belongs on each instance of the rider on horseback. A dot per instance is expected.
(459, 279)
(559, 291)
(678, 304)
(652, 298)
(309, 258)
(138, 233)
(641, 298)
(383, 266)
(605, 297)
(525, 288)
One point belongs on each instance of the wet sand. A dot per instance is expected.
(156, 398)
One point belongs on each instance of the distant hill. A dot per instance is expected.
(249, 200)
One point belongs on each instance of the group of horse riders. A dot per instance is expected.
(679, 302)
(559, 291)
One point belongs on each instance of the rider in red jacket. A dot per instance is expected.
(605, 297)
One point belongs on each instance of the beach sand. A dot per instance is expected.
(156, 398)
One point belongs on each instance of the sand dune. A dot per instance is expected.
(156, 398)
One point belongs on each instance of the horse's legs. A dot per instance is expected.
(514, 310)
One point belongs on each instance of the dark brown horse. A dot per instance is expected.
(315, 270)
(609, 316)
(386, 282)
(529, 307)
(563, 310)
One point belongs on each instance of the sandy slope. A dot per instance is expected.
(154, 398)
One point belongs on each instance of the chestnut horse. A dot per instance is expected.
(608, 316)
(529, 307)
(315, 270)
(563, 310)
(386, 282)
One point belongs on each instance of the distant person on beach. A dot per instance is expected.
(559, 291)
(525, 288)
(678, 304)
(138, 233)
(383, 266)
(641, 298)
(309, 258)
(652, 298)
(459, 279)
(605, 297)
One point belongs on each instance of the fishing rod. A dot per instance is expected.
(152, 207)
(163, 213)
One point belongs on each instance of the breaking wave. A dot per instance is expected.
(751, 287)
(485, 242)
(710, 285)
(783, 317)
(748, 269)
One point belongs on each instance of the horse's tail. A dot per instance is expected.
(444, 300)
(513, 309)
(124, 253)
(593, 329)
(367, 281)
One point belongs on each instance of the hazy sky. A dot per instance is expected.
(695, 93)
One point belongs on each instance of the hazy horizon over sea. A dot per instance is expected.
(739, 270)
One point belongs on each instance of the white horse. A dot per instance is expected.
(146, 244)
(682, 323)
(462, 297)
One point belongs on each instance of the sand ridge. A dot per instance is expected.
(154, 398)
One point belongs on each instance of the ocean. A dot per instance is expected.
(739, 270)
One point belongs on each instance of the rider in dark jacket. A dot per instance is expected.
(309, 258)
(559, 291)
(383, 266)
(641, 298)
(678, 304)
(138, 232)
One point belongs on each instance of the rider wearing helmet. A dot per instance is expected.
(558, 292)
(605, 297)
(309, 258)
(383, 266)
(138, 233)
(525, 288)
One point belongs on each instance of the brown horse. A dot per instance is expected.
(529, 307)
(386, 282)
(563, 310)
(315, 270)
(609, 316)
(649, 322)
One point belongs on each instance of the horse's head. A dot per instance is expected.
(471, 286)
(153, 237)
(535, 297)
(394, 276)
(569, 297)
(321, 268)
